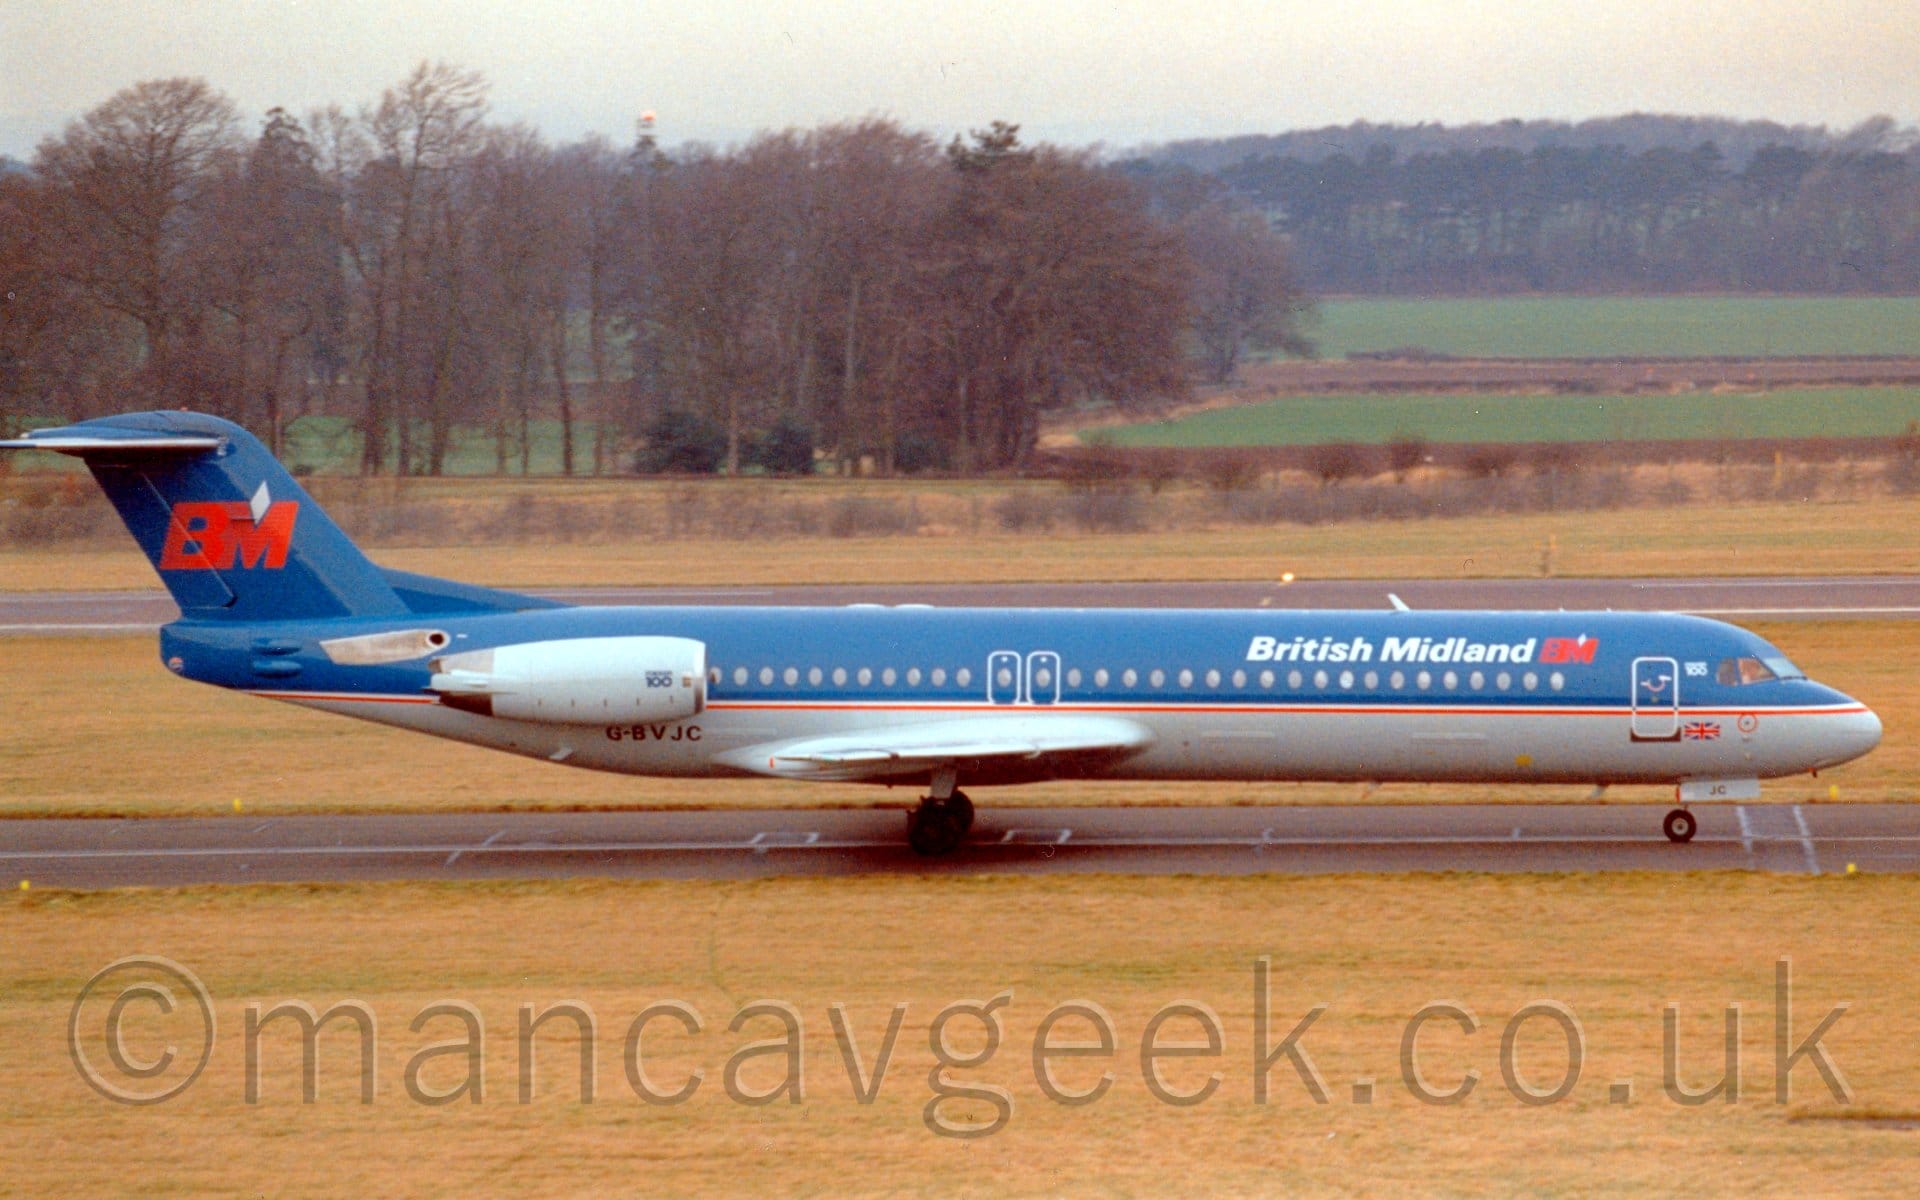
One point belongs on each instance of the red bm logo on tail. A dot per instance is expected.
(217, 535)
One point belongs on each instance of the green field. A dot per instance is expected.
(1624, 326)
(1305, 420)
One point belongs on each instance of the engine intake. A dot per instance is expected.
(578, 681)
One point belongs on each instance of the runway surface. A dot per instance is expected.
(1863, 596)
(734, 844)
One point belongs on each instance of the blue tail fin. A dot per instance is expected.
(233, 535)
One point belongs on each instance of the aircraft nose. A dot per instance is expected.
(1856, 733)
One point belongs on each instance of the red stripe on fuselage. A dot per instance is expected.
(978, 706)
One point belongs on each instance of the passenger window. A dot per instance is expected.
(866, 676)
(1158, 678)
(814, 676)
(1239, 679)
(1398, 679)
(1424, 679)
(888, 676)
(1373, 680)
(939, 676)
(1266, 679)
(1101, 677)
(790, 676)
(1131, 677)
(740, 676)
(913, 676)
(1451, 679)
(766, 675)
(1320, 679)
(1073, 677)
(1213, 679)
(963, 676)
(839, 676)
(1293, 679)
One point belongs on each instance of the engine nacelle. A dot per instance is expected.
(578, 681)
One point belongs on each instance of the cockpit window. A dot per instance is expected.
(1735, 672)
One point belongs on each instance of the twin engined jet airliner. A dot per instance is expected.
(276, 601)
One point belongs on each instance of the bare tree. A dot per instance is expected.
(878, 191)
(405, 221)
(712, 279)
(1244, 293)
(124, 181)
(591, 182)
(1053, 283)
(267, 260)
(60, 353)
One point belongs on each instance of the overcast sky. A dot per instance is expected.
(1072, 71)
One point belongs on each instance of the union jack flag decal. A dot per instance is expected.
(1701, 731)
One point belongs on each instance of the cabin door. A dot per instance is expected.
(1656, 700)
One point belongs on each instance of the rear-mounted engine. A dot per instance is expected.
(578, 681)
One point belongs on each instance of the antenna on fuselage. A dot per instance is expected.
(1399, 605)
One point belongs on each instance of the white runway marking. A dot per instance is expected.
(782, 839)
(1806, 841)
(1042, 837)
(1746, 829)
(455, 856)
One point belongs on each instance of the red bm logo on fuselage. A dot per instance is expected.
(217, 535)
(1569, 650)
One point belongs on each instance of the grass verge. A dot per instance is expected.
(1782, 538)
(1614, 950)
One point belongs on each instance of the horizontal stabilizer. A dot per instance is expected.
(67, 441)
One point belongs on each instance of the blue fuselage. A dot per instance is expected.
(1547, 696)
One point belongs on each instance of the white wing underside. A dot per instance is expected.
(990, 742)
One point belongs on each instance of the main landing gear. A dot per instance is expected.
(1680, 825)
(938, 826)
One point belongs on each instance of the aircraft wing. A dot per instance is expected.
(980, 743)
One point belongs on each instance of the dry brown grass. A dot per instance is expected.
(1732, 539)
(97, 726)
(1615, 949)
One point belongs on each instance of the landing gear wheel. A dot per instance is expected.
(934, 830)
(1680, 825)
(961, 810)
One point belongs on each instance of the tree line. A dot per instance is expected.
(857, 289)
(1540, 207)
